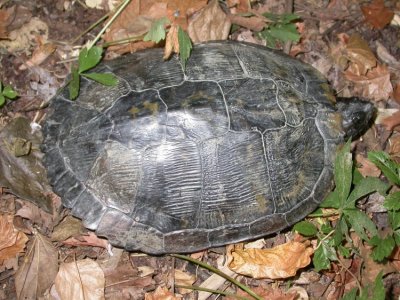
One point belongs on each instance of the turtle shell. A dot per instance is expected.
(237, 145)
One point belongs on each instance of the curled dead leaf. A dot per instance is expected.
(366, 167)
(279, 262)
(171, 42)
(12, 241)
(161, 293)
(183, 278)
(374, 85)
(83, 279)
(377, 14)
(38, 270)
(361, 57)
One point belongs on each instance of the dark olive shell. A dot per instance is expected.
(237, 145)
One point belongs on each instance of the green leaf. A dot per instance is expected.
(366, 186)
(2, 100)
(360, 222)
(306, 228)
(323, 256)
(331, 201)
(326, 228)
(89, 59)
(340, 232)
(284, 32)
(103, 78)
(9, 92)
(379, 292)
(289, 18)
(383, 247)
(74, 84)
(185, 46)
(383, 161)
(392, 201)
(394, 219)
(345, 252)
(357, 176)
(157, 31)
(396, 236)
(350, 295)
(343, 173)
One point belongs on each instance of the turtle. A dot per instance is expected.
(238, 144)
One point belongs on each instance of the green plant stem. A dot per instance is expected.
(122, 41)
(324, 238)
(90, 28)
(199, 288)
(220, 273)
(117, 13)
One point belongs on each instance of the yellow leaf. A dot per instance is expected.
(280, 262)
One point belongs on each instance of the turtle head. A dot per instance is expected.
(357, 116)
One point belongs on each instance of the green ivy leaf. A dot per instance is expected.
(9, 92)
(185, 46)
(383, 161)
(284, 32)
(2, 100)
(366, 186)
(343, 173)
(103, 78)
(306, 228)
(345, 252)
(379, 292)
(323, 256)
(89, 59)
(360, 222)
(350, 295)
(392, 201)
(157, 31)
(383, 247)
(74, 84)
(394, 219)
(340, 232)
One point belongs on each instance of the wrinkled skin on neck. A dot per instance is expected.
(357, 116)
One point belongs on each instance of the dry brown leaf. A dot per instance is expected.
(269, 293)
(89, 239)
(83, 279)
(279, 262)
(5, 17)
(171, 42)
(161, 293)
(69, 226)
(138, 16)
(254, 23)
(183, 278)
(361, 57)
(38, 270)
(12, 241)
(375, 85)
(377, 14)
(211, 23)
(239, 6)
(394, 143)
(36, 215)
(396, 93)
(125, 282)
(39, 55)
(366, 167)
(391, 122)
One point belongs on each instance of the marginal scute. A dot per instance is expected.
(238, 145)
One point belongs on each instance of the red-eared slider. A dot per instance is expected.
(237, 145)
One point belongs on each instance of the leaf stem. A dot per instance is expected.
(220, 273)
(117, 13)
